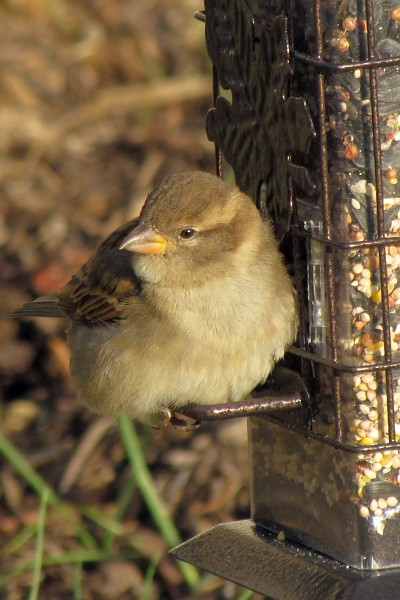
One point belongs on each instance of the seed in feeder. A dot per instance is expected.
(377, 297)
(371, 190)
(360, 186)
(366, 290)
(374, 434)
(343, 43)
(364, 512)
(378, 457)
(357, 236)
(366, 441)
(387, 463)
(378, 348)
(357, 268)
(362, 396)
(392, 121)
(395, 261)
(368, 377)
(373, 262)
(371, 395)
(358, 350)
(391, 501)
(348, 139)
(367, 339)
(355, 204)
(345, 95)
(396, 462)
(349, 23)
(364, 282)
(351, 152)
(391, 174)
(373, 505)
(395, 14)
(364, 409)
(382, 503)
(362, 25)
(376, 467)
(378, 512)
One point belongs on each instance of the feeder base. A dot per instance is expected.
(252, 557)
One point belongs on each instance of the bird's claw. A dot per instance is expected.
(183, 422)
(166, 417)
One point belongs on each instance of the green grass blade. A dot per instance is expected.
(124, 500)
(37, 570)
(80, 556)
(149, 578)
(18, 460)
(32, 477)
(153, 500)
(77, 582)
(246, 595)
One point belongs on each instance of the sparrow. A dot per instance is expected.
(188, 303)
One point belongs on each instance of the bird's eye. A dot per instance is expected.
(187, 233)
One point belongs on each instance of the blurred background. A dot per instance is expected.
(98, 100)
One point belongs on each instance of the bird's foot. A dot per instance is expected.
(167, 417)
(183, 422)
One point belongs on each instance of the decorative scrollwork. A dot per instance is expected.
(262, 129)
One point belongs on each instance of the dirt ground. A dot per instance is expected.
(98, 100)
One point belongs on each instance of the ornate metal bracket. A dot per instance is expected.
(264, 131)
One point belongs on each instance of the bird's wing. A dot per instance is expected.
(96, 293)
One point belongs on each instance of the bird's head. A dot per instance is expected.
(189, 222)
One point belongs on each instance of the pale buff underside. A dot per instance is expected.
(204, 353)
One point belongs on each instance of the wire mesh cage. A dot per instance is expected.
(312, 132)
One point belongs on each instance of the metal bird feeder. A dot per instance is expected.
(307, 114)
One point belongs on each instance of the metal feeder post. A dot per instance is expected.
(312, 132)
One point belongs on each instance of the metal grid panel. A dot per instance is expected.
(262, 96)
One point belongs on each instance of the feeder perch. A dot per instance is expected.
(311, 130)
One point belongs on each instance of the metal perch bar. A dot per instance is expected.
(249, 407)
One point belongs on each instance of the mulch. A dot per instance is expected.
(98, 100)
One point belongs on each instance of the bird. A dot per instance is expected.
(189, 303)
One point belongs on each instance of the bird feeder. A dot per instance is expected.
(307, 114)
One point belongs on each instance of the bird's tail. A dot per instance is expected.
(41, 307)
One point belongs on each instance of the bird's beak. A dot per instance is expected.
(144, 239)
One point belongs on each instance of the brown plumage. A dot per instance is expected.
(189, 303)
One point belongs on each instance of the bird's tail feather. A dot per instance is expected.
(41, 307)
